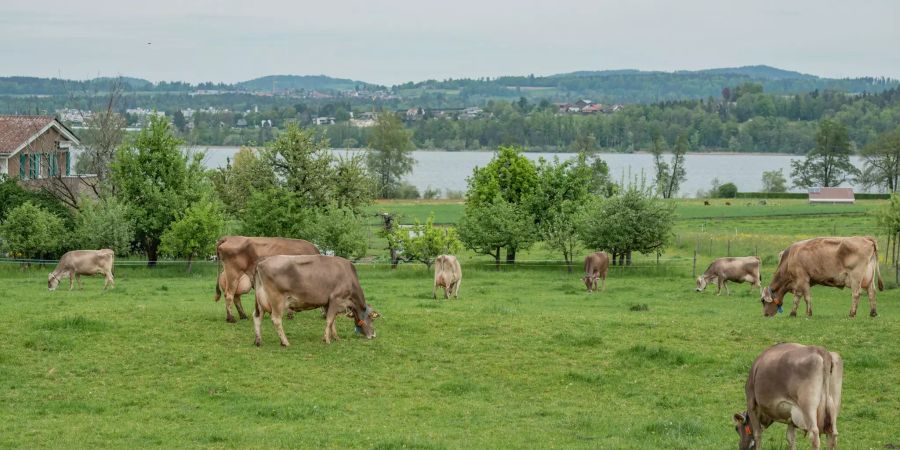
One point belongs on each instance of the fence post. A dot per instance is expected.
(729, 248)
(695, 264)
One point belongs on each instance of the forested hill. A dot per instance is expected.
(608, 86)
(633, 86)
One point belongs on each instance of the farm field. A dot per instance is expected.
(524, 359)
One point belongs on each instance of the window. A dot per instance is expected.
(35, 165)
(53, 164)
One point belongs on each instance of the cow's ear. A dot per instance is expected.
(738, 419)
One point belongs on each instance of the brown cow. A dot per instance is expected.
(448, 275)
(833, 261)
(239, 255)
(737, 269)
(297, 283)
(795, 384)
(83, 262)
(595, 267)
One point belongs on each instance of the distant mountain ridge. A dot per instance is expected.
(757, 71)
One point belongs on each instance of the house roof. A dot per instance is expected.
(831, 194)
(16, 132)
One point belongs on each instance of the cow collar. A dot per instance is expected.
(360, 322)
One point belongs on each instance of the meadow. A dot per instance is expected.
(524, 359)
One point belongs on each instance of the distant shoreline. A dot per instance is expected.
(639, 152)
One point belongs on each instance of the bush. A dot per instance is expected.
(727, 190)
(103, 224)
(455, 195)
(32, 232)
(431, 193)
(406, 191)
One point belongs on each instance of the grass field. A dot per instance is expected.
(525, 359)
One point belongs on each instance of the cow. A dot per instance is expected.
(737, 269)
(829, 261)
(83, 262)
(238, 256)
(795, 384)
(448, 275)
(301, 282)
(595, 267)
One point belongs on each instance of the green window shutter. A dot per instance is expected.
(22, 161)
(68, 164)
(36, 165)
(53, 164)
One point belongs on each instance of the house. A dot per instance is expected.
(415, 113)
(323, 120)
(36, 147)
(831, 195)
(593, 108)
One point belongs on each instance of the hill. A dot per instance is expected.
(298, 82)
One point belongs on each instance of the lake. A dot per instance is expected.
(448, 170)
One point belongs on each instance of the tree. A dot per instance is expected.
(632, 220)
(341, 232)
(12, 194)
(828, 164)
(104, 133)
(390, 153)
(774, 181)
(32, 232)
(235, 182)
(156, 181)
(508, 178)
(670, 176)
(277, 212)
(882, 161)
(559, 230)
(423, 242)
(486, 228)
(104, 223)
(179, 121)
(195, 230)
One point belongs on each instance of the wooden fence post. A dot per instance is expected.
(729, 248)
(695, 264)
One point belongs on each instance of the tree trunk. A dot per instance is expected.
(511, 255)
(622, 258)
(395, 259)
(190, 263)
(152, 253)
(497, 259)
(568, 262)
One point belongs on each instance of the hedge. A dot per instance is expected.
(804, 195)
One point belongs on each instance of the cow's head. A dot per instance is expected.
(701, 283)
(589, 282)
(771, 302)
(745, 431)
(52, 281)
(364, 323)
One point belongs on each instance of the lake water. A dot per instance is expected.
(448, 170)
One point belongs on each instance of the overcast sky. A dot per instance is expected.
(402, 40)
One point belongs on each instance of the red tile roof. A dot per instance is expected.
(17, 130)
(831, 194)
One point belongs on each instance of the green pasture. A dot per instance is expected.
(524, 359)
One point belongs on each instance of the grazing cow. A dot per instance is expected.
(799, 385)
(736, 269)
(832, 261)
(239, 255)
(297, 283)
(595, 267)
(448, 275)
(83, 262)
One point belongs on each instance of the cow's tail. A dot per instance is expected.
(218, 269)
(259, 294)
(827, 425)
(877, 271)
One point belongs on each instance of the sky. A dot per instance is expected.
(391, 42)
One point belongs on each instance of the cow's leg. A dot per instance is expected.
(807, 297)
(456, 291)
(240, 308)
(797, 294)
(872, 303)
(109, 280)
(718, 286)
(854, 286)
(329, 321)
(725, 283)
(71, 280)
(804, 417)
(276, 320)
(447, 288)
(792, 436)
(257, 324)
(78, 280)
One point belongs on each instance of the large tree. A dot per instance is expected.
(669, 176)
(509, 178)
(774, 181)
(390, 154)
(156, 180)
(246, 174)
(828, 164)
(882, 161)
(489, 227)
